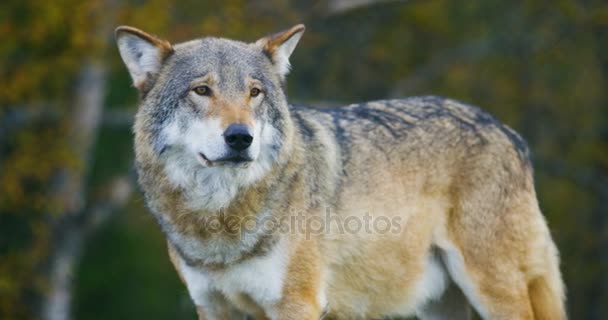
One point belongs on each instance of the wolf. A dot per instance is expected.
(423, 206)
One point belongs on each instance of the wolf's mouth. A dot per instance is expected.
(204, 160)
(237, 160)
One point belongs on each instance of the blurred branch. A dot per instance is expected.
(21, 116)
(117, 118)
(341, 6)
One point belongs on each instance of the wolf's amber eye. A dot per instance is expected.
(255, 92)
(202, 90)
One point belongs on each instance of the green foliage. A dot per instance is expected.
(41, 49)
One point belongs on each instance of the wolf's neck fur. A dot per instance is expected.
(216, 236)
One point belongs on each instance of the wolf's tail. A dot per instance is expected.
(547, 294)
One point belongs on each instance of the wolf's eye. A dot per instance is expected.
(202, 90)
(255, 92)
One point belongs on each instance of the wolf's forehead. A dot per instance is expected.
(229, 60)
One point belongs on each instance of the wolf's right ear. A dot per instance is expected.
(278, 47)
(143, 54)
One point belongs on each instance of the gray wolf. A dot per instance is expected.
(228, 166)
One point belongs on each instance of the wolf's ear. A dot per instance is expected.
(143, 54)
(279, 47)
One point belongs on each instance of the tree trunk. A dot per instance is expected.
(66, 234)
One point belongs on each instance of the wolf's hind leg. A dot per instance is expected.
(452, 305)
(505, 263)
(494, 293)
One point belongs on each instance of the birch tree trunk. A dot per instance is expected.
(66, 233)
(80, 218)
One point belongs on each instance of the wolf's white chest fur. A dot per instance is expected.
(261, 278)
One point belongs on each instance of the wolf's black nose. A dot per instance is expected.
(237, 137)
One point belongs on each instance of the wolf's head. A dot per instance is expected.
(213, 111)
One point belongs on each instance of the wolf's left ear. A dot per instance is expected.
(279, 47)
(143, 54)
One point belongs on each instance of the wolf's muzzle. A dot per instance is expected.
(237, 137)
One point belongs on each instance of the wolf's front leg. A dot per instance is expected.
(299, 310)
(216, 307)
(210, 304)
(303, 297)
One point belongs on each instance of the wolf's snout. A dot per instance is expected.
(237, 137)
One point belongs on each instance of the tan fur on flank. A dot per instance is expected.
(423, 206)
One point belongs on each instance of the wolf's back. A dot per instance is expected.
(425, 126)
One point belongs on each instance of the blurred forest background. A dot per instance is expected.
(75, 238)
